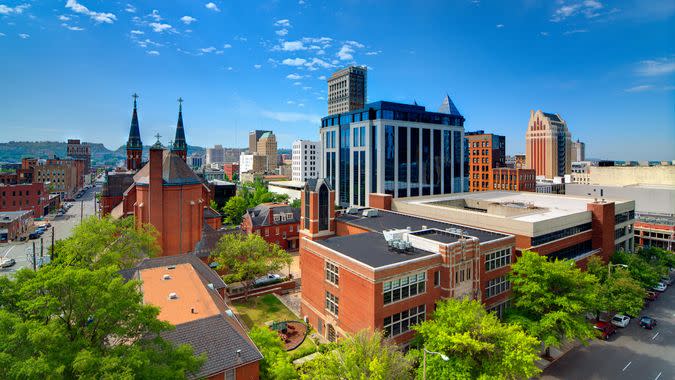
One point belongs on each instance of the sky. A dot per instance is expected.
(68, 68)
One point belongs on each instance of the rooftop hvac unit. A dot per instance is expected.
(352, 210)
(369, 213)
(166, 277)
(173, 296)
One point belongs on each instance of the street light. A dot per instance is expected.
(424, 370)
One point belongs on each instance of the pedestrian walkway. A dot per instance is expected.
(557, 353)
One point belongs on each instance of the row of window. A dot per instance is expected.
(332, 273)
(497, 286)
(538, 240)
(4, 194)
(497, 259)
(402, 322)
(624, 217)
(404, 287)
(332, 303)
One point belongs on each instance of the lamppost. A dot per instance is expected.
(424, 370)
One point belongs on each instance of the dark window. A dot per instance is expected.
(362, 176)
(437, 278)
(373, 159)
(355, 176)
(389, 155)
(344, 164)
(426, 162)
(324, 207)
(402, 161)
(414, 162)
(447, 162)
(437, 161)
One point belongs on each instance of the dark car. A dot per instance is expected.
(606, 329)
(652, 296)
(647, 322)
(33, 235)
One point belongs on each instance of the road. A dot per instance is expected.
(631, 353)
(61, 228)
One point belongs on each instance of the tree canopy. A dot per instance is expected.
(276, 364)
(646, 273)
(243, 258)
(478, 345)
(364, 355)
(618, 290)
(551, 299)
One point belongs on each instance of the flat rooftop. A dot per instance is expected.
(371, 249)
(190, 290)
(387, 220)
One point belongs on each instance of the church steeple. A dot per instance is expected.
(179, 145)
(134, 144)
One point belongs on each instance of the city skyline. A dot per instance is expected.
(264, 67)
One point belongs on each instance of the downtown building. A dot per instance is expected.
(393, 148)
(78, 151)
(347, 90)
(306, 160)
(548, 145)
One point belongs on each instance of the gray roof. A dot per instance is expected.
(12, 215)
(206, 273)
(174, 171)
(553, 117)
(386, 220)
(448, 107)
(371, 249)
(260, 214)
(219, 337)
(210, 238)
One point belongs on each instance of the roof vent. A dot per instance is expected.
(173, 296)
(193, 311)
(171, 267)
(352, 210)
(210, 285)
(229, 313)
(369, 213)
(166, 277)
(424, 227)
(238, 353)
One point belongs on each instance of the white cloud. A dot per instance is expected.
(345, 53)
(282, 32)
(291, 117)
(654, 67)
(240, 38)
(73, 28)
(293, 76)
(155, 15)
(575, 31)
(323, 77)
(257, 66)
(588, 8)
(301, 105)
(374, 52)
(24, 36)
(99, 17)
(499, 26)
(5, 10)
(130, 8)
(159, 27)
(293, 46)
(315, 63)
(320, 98)
(187, 20)
(641, 88)
(229, 68)
(543, 33)
(212, 6)
(320, 52)
(290, 102)
(64, 18)
(137, 32)
(227, 46)
(2, 34)
(209, 49)
(355, 44)
(285, 23)
(297, 83)
(307, 88)
(294, 61)
(153, 52)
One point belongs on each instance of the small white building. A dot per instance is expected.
(306, 160)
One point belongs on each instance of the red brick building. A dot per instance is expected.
(378, 269)
(277, 223)
(14, 224)
(486, 152)
(514, 179)
(231, 169)
(30, 196)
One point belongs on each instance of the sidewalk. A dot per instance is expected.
(557, 353)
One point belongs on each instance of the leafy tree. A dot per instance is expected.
(640, 269)
(97, 243)
(246, 257)
(69, 322)
(477, 344)
(618, 290)
(296, 203)
(365, 355)
(551, 299)
(659, 258)
(234, 210)
(276, 363)
(213, 204)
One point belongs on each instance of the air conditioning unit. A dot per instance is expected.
(173, 296)
(166, 277)
(352, 210)
(369, 213)
(306, 319)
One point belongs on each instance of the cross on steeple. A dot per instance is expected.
(157, 136)
(180, 104)
(135, 96)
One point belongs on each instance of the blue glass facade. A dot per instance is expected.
(389, 155)
(402, 162)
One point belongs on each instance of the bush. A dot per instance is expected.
(302, 352)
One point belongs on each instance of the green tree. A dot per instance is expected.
(365, 355)
(246, 257)
(551, 299)
(640, 269)
(478, 345)
(659, 258)
(97, 243)
(618, 290)
(276, 363)
(234, 210)
(69, 322)
(213, 204)
(296, 203)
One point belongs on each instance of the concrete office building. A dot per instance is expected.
(252, 163)
(306, 158)
(77, 151)
(393, 148)
(215, 155)
(253, 138)
(632, 175)
(548, 145)
(347, 90)
(578, 151)
(60, 176)
(195, 161)
(267, 147)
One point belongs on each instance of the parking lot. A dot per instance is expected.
(61, 228)
(631, 353)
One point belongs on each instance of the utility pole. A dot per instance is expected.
(51, 255)
(81, 210)
(42, 247)
(34, 258)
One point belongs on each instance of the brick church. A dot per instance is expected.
(164, 191)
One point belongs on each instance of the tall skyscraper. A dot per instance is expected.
(393, 148)
(267, 146)
(134, 144)
(578, 151)
(253, 138)
(486, 152)
(548, 145)
(215, 155)
(179, 145)
(306, 160)
(347, 90)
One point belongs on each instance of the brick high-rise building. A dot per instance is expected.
(25, 196)
(63, 176)
(578, 151)
(253, 138)
(179, 145)
(347, 90)
(486, 152)
(548, 145)
(514, 179)
(134, 144)
(267, 147)
(78, 151)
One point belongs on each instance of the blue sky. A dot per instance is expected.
(68, 68)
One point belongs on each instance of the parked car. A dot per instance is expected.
(651, 296)
(33, 235)
(647, 322)
(606, 329)
(269, 279)
(660, 287)
(7, 262)
(666, 280)
(23, 238)
(620, 320)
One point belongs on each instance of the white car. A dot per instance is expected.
(660, 287)
(620, 320)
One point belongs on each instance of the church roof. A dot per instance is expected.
(134, 131)
(174, 171)
(179, 142)
(448, 107)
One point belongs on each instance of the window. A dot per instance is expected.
(404, 287)
(437, 278)
(538, 240)
(497, 286)
(332, 303)
(230, 374)
(402, 322)
(497, 259)
(332, 273)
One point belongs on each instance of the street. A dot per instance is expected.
(61, 228)
(631, 353)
